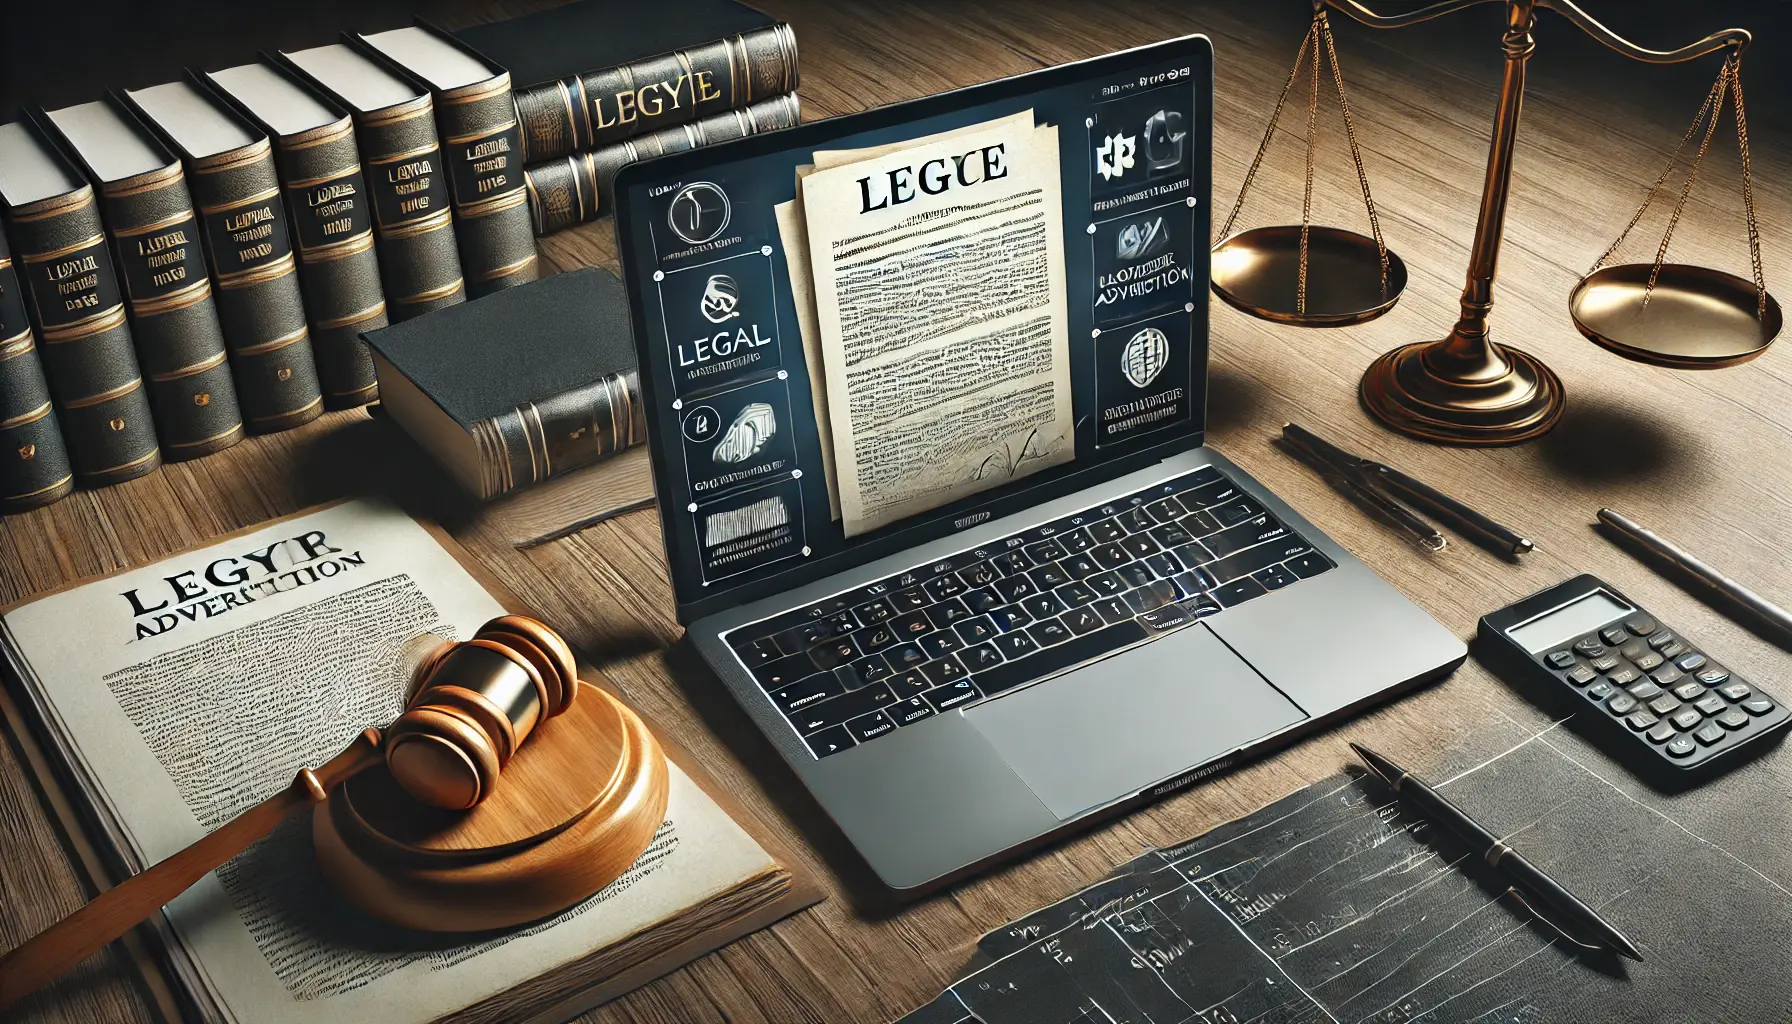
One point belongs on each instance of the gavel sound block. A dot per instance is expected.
(414, 825)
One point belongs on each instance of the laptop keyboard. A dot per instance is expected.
(858, 666)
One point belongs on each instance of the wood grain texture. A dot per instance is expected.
(1704, 458)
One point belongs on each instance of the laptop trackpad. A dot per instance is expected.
(1112, 728)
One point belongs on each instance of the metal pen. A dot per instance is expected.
(1713, 580)
(1498, 856)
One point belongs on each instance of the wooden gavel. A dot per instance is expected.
(470, 707)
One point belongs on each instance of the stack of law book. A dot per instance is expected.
(603, 83)
(157, 703)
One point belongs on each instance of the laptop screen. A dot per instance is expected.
(864, 333)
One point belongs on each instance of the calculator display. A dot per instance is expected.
(1568, 621)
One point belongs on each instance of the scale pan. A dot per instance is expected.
(1258, 272)
(1698, 318)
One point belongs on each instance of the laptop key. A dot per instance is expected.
(804, 692)
(905, 655)
(1249, 533)
(1164, 619)
(912, 625)
(1113, 610)
(1273, 578)
(1155, 594)
(1137, 574)
(1079, 566)
(980, 575)
(947, 669)
(830, 741)
(980, 601)
(1234, 512)
(1080, 620)
(866, 728)
(948, 612)
(944, 587)
(836, 652)
(1164, 564)
(908, 684)
(873, 612)
(941, 643)
(1107, 531)
(801, 638)
(1170, 535)
(1045, 551)
(910, 711)
(784, 671)
(909, 600)
(1208, 495)
(1309, 565)
(1239, 591)
(1166, 510)
(945, 698)
(863, 672)
(1042, 606)
(1075, 595)
(1015, 645)
(976, 630)
(1250, 560)
(1048, 632)
(1048, 576)
(1199, 523)
(1110, 556)
(1139, 546)
(1012, 562)
(1136, 520)
(1076, 541)
(1106, 584)
(842, 623)
(980, 657)
(1010, 618)
(1013, 588)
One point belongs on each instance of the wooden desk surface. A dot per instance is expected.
(1703, 457)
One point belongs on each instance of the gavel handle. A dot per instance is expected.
(130, 902)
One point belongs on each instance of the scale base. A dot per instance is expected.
(1469, 394)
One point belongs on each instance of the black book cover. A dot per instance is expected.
(593, 34)
(524, 384)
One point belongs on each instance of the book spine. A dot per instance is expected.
(88, 360)
(246, 237)
(600, 108)
(484, 152)
(413, 216)
(332, 220)
(34, 466)
(180, 346)
(568, 192)
(537, 440)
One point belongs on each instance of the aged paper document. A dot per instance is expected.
(184, 692)
(938, 273)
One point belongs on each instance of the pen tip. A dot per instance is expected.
(1523, 547)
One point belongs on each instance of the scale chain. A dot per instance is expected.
(1748, 193)
(1269, 133)
(1356, 153)
(1692, 174)
(1306, 201)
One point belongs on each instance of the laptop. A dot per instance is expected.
(980, 677)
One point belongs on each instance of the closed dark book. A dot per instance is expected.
(331, 214)
(593, 73)
(34, 467)
(77, 309)
(564, 193)
(230, 170)
(161, 263)
(482, 145)
(529, 383)
(413, 214)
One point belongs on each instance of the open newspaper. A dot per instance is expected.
(177, 695)
(929, 283)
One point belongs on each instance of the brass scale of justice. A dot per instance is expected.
(1465, 389)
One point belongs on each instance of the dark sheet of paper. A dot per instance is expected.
(1337, 905)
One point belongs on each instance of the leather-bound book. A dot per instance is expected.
(482, 146)
(77, 309)
(566, 193)
(34, 467)
(528, 384)
(413, 215)
(331, 213)
(230, 170)
(161, 263)
(591, 74)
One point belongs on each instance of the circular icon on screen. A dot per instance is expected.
(701, 425)
(699, 212)
(1144, 356)
(721, 297)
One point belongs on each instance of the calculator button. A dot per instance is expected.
(1673, 650)
(1589, 646)
(1601, 690)
(1681, 746)
(1666, 704)
(1686, 718)
(1709, 733)
(1712, 675)
(1735, 691)
(1581, 675)
(1635, 649)
(1644, 690)
(1757, 705)
(1621, 705)
(1710, 704)
(1641, 720)
(1689, 690)
(1614, 635)
(1660, 640)
(1625, 676)
(1691, 662)
(1662, 733)
(1732, 719)
(1604, 663)
(1641, 625)
(1648, 661)
(1561, 659)
(1667, 675)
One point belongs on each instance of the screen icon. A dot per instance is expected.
(1144, 357)
(699, 212)
(1116, 155)
(1164, 136)
(721, 299)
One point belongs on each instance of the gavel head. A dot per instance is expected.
(472, 705)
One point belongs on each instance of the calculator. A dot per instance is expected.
(1654, 699)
